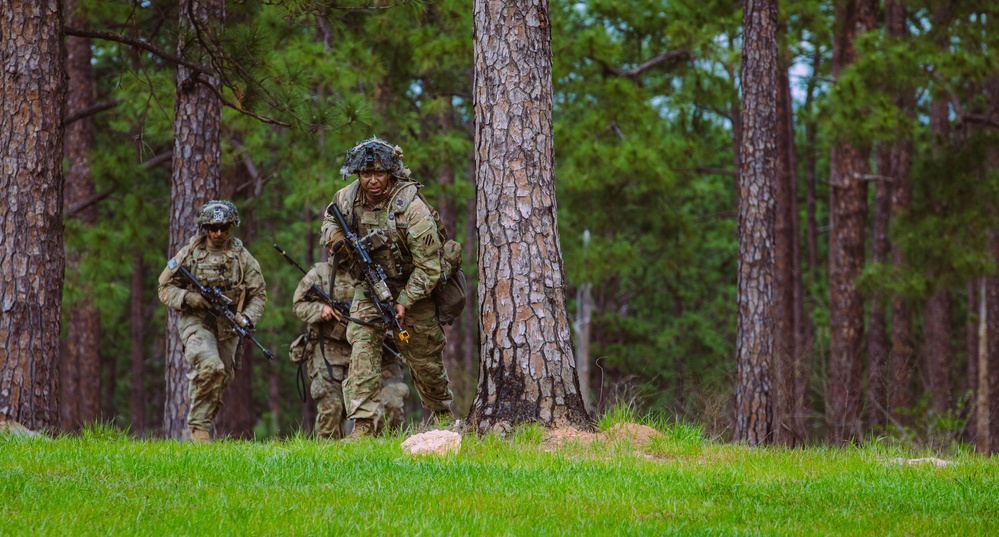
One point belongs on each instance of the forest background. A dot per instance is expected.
(647, 136)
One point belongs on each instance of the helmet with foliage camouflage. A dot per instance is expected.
(374, 154)
(218, 212)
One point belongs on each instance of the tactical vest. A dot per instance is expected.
(333, 330)
(388, 248)
(393, 253)
(223, 269)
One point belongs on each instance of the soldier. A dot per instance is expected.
(216, 260)
(328, 359)
(409, 250)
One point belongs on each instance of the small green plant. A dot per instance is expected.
(529, 434)
(619, 413)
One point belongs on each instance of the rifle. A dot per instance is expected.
(341, 306)
(219, 306)
(374, 276)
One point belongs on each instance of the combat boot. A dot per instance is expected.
(362, 428)
(199, 436)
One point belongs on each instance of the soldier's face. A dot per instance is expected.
(375, 184)
(217, 234)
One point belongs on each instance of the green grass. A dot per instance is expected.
(102, 483)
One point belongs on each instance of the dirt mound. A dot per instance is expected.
(566, 435)
(637, 435)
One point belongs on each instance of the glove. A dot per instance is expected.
(195, 301)
(244, 321)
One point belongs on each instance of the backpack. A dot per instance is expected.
(450, 293)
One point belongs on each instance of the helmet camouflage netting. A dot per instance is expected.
(217, 212)
(374, 154)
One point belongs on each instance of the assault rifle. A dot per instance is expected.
(340, 306)
(219, 305)
(374, 276)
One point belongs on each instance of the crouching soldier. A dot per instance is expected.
(328, 357)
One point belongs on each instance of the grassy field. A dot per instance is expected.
(103, 483)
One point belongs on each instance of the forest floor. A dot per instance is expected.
(627, 479)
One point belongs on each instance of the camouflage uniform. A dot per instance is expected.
(328, 364)
(411, 259)
(211, 351)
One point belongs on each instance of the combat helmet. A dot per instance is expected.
(217, 212)
(374, 154)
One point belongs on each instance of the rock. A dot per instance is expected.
(432, 443)
(927, 460)
(14, 428)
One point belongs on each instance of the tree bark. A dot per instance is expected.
(937, 344)
(527, 372)
(848, 217)
(900, 357)
(32, 97)
(972, 340)
(137, 356)
(470, 317)
(788, 425)
(987, 382)
(877, 327)
(193, 181)
(811, 170)
(988, 373)
(804, 347)
(80, 363)
(756, 321)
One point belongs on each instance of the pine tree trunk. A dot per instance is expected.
(987, 401)
(898, 373)
(80, 361)
(877, 327)
(988, 369)
(785, 267)
(194, 181)
(901, 357)
(236, 417)
(937, 335)
(891, 355)
(527, 372)
(972, 349)
(804, 347)
(110, 375)
(274, 397)
(137, 356)
(470, 317)
(811, 171)
(33, 90)
(756, 321)
(848, 217)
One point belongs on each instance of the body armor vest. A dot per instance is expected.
(222, 269)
